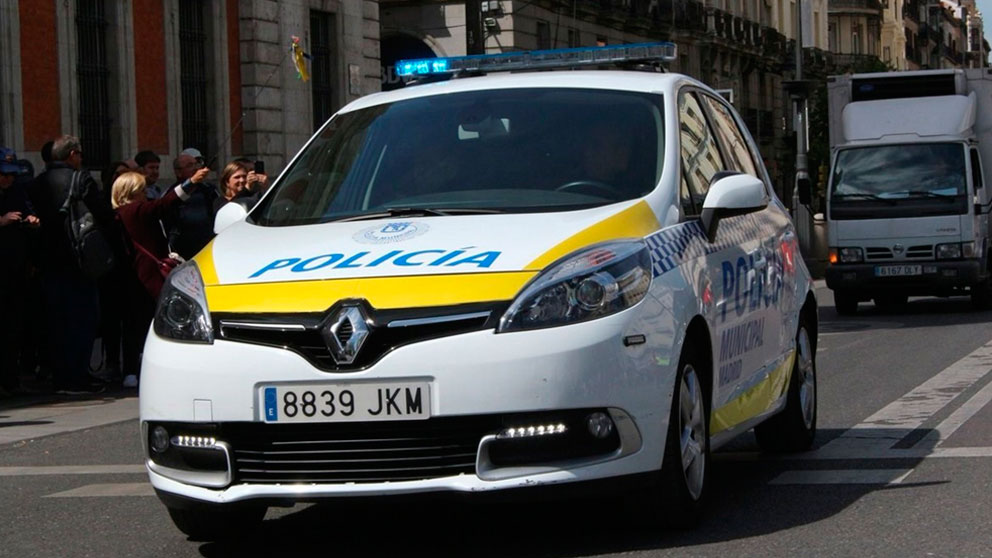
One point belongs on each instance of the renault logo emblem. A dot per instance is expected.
(345, 334)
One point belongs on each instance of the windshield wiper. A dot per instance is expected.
(873, 197)
(929, 194)
(417, 212)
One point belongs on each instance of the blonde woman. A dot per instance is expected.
(147, 243)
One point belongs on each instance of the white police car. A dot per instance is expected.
(482, 284)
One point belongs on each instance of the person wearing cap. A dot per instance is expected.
(16, 220)
(190, 226)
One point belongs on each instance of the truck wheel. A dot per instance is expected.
(981, 295)
(793, 429)
(212, 523)
(845, 303)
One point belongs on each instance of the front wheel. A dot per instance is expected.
(794, 428)
(676, 499)
(845, 303)
(981, 295)
(212, 523)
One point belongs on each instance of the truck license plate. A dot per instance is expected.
(898, 270)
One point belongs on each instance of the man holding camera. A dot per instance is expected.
(191, 225)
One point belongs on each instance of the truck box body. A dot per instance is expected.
(907, 205)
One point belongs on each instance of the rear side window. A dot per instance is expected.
(731, 137)
(701, 157)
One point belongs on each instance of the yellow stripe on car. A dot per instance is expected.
(637, 221)
(408, 291)
(205, 261)
(754, 401)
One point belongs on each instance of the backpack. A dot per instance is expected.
(93, 252)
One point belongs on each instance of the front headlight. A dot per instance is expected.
(949, 251)
(594, 282)
(182, 313)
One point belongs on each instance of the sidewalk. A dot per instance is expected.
(25, 417)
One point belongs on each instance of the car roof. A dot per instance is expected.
(643, 82)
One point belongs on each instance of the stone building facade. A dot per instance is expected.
(129, 75)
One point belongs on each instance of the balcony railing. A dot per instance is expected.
(836, 6)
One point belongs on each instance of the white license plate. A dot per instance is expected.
(898, 270)
(346, 402)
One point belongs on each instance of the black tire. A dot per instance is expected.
(675, 500)
(981, 295)
(890, 303)
(845, 303)
(793, 429)
(214, 523)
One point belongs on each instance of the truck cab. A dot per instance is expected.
(907, 205)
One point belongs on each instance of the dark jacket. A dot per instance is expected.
(141, 223)
(191, 224)
(14, 238)
(48, 194)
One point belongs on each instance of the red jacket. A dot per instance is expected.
(141, 221)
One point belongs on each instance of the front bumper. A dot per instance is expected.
(941, 277)
(579, 368)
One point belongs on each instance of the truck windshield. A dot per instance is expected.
(899, 181)
(495, 151)
(900, 171)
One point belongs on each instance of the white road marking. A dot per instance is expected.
(104, 490)
(945, 429)
(898, 419)
(843, 476)
(27, 423)
(71, 470)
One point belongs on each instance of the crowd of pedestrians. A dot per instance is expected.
(53, 311)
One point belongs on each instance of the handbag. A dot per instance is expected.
(165, 266)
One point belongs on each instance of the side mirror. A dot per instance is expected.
(738, 194)
(228, 215)
(805, 188)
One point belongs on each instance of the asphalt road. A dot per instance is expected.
(902, 467)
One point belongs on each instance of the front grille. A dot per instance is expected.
(877, 253)
(357, 452)
(302, 333)
(874, 253)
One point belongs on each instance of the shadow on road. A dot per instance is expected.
(743, 502)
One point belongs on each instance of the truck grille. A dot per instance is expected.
(879, 253)
(357, 452)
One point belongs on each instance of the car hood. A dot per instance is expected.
(401, 262)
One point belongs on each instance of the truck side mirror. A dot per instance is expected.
(737, 194)
(805, 190)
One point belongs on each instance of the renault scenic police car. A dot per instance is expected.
(487, 283)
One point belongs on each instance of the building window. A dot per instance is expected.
(543, 35)
(832, 37)
(322, 66)
(193, 74)
(856, 39)
(886, 54)
(93, 74)
(874, 33)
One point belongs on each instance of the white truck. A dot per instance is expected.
(907, 201)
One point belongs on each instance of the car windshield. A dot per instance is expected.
(510, 150)
(894, 172)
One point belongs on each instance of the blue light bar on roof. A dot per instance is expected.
(538, 59)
